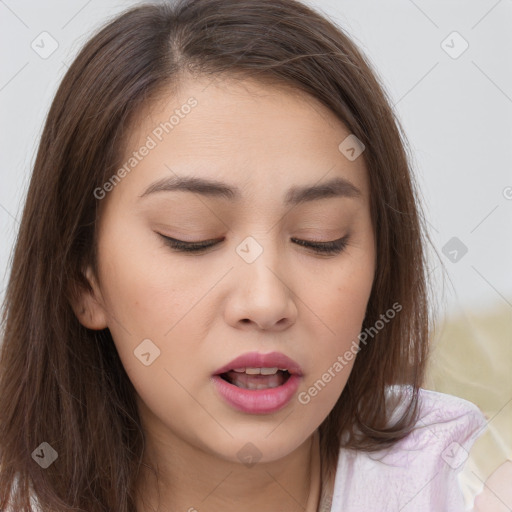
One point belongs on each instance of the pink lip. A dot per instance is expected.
(258, 360)
(262, 401)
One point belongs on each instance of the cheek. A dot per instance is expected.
(339, 293)
(143, 289)
(342, 300)
(148, 298)
(341, 305)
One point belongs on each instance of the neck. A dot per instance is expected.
(191, 479)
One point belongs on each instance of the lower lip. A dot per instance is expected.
(261, 401)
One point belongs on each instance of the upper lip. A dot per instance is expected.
(258, 360)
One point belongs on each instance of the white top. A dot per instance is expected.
(420, 472)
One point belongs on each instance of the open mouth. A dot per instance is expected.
(257, 383)
(268, 378)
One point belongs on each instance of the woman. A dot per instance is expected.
(218, 297)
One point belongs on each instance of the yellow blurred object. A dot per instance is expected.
(471, 358)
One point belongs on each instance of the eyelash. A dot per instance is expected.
(325, 248)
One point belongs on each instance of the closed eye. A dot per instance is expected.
(326, 248)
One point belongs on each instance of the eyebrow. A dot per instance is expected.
(337, 187)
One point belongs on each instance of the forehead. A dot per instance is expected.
(257, 136)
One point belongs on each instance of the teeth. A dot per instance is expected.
(256, 378)
(257, 371)
(273, 381)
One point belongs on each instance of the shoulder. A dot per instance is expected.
(443, 420)
(418, 473)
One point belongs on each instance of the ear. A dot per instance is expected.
(88, 304)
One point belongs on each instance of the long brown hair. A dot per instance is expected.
(63, 384)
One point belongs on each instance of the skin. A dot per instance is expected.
(204, 310)
(496, 495)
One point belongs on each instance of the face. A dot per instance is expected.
(267, 282)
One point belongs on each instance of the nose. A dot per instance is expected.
(261, 294)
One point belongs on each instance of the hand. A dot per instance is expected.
(496, 495)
